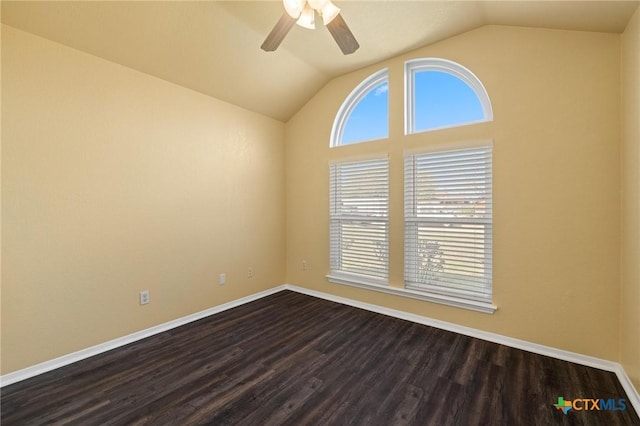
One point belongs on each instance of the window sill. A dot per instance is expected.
(379, 285)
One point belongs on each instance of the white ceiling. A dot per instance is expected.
(214, 46)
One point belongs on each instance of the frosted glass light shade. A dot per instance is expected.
(318, 4)
(307, 18)
(329, 11)
(294, 7)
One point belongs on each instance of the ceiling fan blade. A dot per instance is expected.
(278, 33)
(342, 35)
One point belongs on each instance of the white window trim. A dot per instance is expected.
(350, 103)
(414, 66)
(369, 284)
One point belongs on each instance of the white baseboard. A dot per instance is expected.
(50, 365)
(614, 367)
(632, 392)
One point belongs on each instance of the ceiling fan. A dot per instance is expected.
(303, 13)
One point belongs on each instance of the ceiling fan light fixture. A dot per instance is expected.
(318, 4)
(329, 11)
(294, 8)
(307, 18)
(303, 13)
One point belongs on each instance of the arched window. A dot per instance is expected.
(441, 94)
(448, 219)
(364, 115)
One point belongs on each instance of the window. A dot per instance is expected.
(364, 115)
(441, 94)
(448, 217)
(359, 225)
(448, 223)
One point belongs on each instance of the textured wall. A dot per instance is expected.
(630, 158)
(115, 182)
(556, 132)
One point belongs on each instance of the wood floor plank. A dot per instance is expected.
(297, 360)
(406, 411)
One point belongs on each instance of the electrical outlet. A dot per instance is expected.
(249, 272)
(304, 265)
(144, 297)
(222, 279)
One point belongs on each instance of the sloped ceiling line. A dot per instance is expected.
(214, 46)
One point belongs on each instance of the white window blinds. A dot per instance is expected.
(359, 220)
(448, 223)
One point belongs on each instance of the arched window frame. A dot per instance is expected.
(414, 66)
(344, 113)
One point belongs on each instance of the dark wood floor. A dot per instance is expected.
(294, 359)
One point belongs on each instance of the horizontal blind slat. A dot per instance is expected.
(359, 207)
(448, 216)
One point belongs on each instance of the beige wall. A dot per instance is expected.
(556, 103)
(114, 182)
(630, 158)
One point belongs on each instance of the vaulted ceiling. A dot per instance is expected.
(213, 47)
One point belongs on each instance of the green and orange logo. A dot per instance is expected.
(590, 404)
(563, 405)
